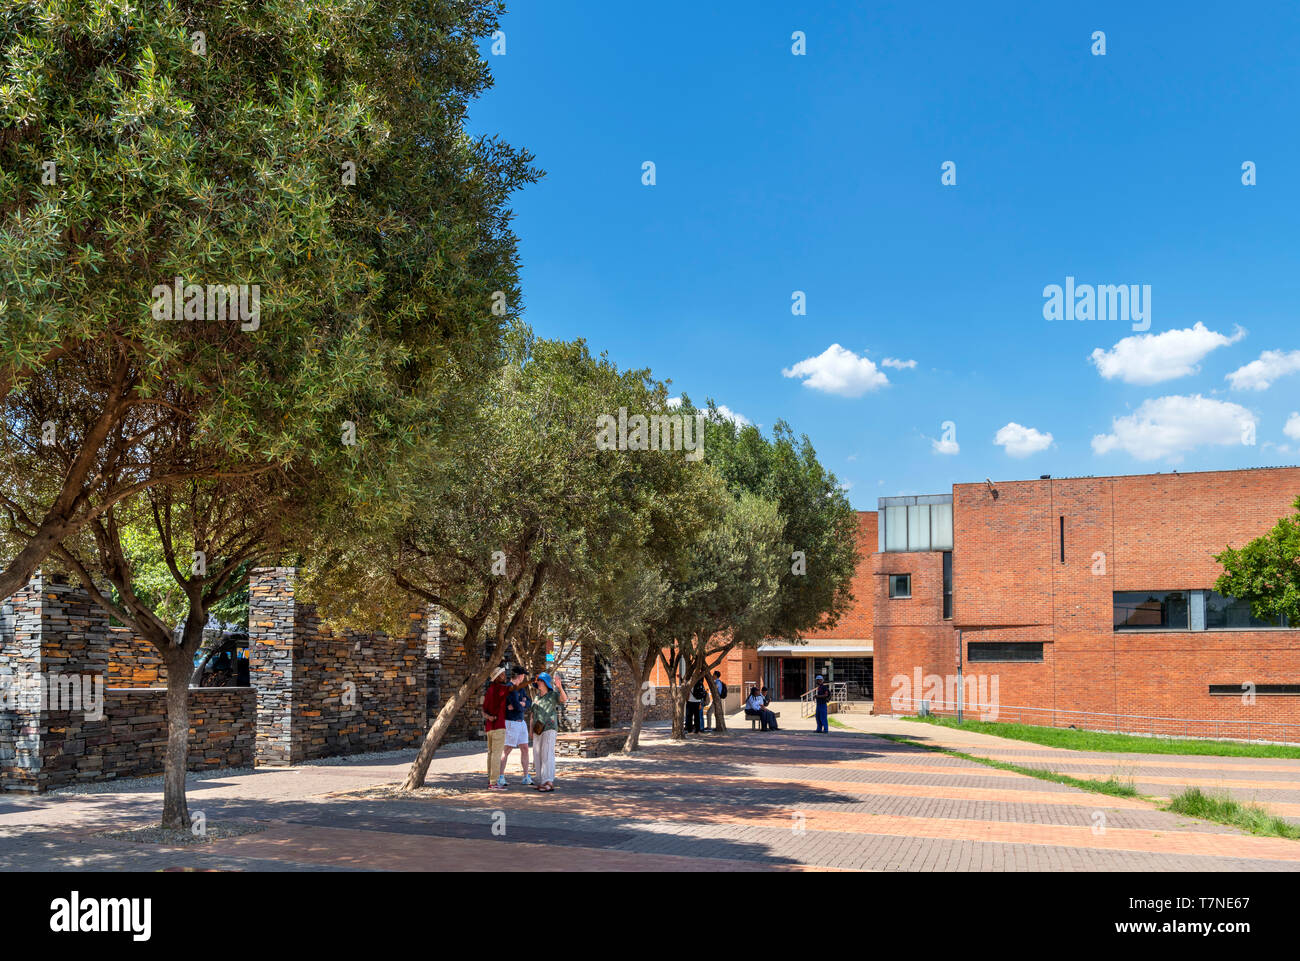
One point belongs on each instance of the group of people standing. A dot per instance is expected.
(507, 706)
(704, 702)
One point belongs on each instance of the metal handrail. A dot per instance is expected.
(808, 700)
(1119, 723)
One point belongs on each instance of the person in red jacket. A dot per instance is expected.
(494, 722)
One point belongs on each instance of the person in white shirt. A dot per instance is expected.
(754, 705)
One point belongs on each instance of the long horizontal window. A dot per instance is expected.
(1228, 613)
(985, 651)
(1152, 611)
(1239, 689)
(1186, 611)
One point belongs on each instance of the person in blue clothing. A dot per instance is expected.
(518, 703)
(823, 702)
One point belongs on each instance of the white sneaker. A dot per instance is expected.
(501, 781)
(527, 780)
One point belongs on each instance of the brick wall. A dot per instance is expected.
(1145, 532)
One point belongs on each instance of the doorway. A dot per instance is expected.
(794, 678)
(602, 691)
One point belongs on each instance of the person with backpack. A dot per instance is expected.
(718, 703)
(694, 705)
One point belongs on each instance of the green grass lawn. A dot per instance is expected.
(1113, 785)
(1119, 743)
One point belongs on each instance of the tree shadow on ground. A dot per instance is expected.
(702, 798)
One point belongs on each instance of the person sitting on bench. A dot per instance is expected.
(754, 708)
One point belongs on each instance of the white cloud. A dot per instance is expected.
(1167, 427)
(1022, 441)
(897, 364)
(725, 412)
(839, 371)
(1292, 428)
(1152, 358)
(945, 447)
(1260, 374)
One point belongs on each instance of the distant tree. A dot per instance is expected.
(1266, 571)
(813, 555)
(481, 529)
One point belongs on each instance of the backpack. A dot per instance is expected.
(722, 689)
(698, 692)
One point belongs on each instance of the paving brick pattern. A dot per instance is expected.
(745, 801)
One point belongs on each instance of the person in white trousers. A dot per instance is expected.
(546, 725)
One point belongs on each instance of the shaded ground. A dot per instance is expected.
(744, 801)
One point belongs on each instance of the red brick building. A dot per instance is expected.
(842, 654)
(1090, 595)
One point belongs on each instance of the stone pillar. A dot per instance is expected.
(53, 660)
(270, 662)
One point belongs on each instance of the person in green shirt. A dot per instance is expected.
(546, 716)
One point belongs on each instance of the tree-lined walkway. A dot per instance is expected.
(792, 800)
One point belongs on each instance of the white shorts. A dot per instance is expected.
(516, 734)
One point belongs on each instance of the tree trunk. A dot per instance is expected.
(176, 813)
(638, 704)
(438, 730)
(679, 693)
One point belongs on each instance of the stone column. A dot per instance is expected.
(271, 636)
(53, 661)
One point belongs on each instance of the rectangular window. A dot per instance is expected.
(895, 528)
(1238, 689)
(1227, 613)
(941, 527)
(918, 527)
(985, 651)
(1062, 538)
(947, 585)
(1151, 611)
(900, 585)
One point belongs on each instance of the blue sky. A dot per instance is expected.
(821, 173)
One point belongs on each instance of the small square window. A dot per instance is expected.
(900, 585)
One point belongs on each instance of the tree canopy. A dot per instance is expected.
(1266, 571)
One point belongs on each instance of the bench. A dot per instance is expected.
(755, 719)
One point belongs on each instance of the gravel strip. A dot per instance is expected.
(180, 836)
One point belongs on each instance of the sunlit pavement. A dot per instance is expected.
(740, 801)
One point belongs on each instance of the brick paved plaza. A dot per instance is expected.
(745, 801)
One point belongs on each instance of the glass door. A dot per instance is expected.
(794, 678)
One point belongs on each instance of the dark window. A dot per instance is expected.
(1225, 613)
(1151, 610)
(1259, 689)
(856, 672)
(947, 584)
(977, 651)
(900, 585)
(1062, 538)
